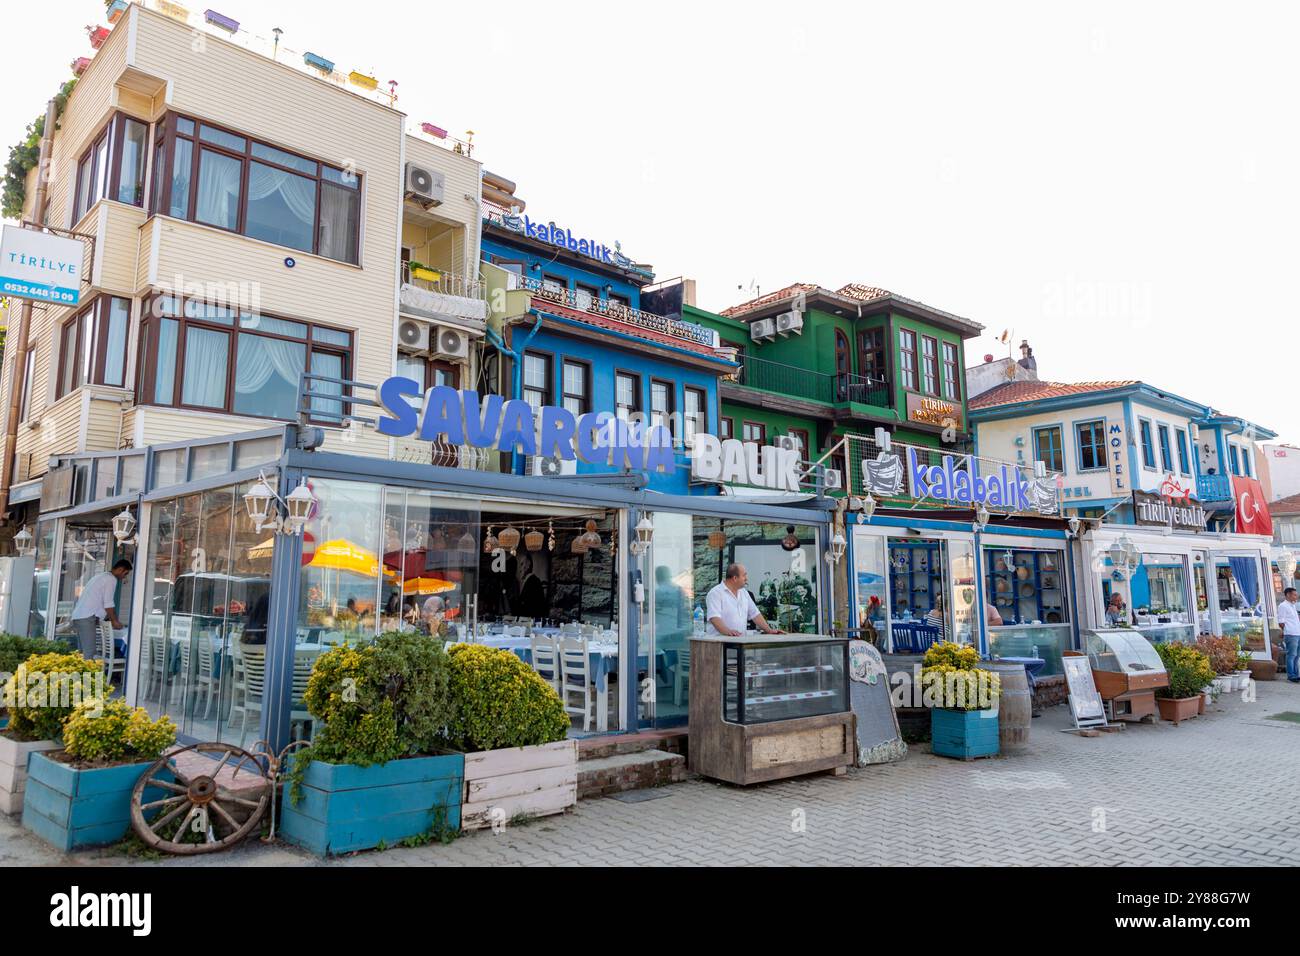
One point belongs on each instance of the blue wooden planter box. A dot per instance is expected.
(73, 808)
(344, 808)
(963, 733)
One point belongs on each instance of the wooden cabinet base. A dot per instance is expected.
(756, 753)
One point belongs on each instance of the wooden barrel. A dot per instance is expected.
(1014, 708)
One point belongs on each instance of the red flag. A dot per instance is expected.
(1252, 509)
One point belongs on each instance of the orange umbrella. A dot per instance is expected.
(426, 586)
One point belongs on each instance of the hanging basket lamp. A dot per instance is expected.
(509, 538)
(591, 538)
(490, 543)
(791, 540)
(534, 540)
(717, 540)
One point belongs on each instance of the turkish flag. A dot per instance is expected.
(1252, 509)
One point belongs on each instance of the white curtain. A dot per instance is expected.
(297, 192)
(218, 196)
(206, 355)
(338, 225)
(261, 358)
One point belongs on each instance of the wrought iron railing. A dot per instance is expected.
(547, 291)
(1213, 487)
(448, 283)
(796, 382)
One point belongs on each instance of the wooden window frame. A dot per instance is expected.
(148, 365)
(1097, 429)
(910, 377)
(585, 398)
(930, 384)
(171, 134)
(807, 441)
(951, 381)
(98, 308)
(1147, 443)
(636, 391)
(726, 427)
(1165, 446)
(866, 366)
(702, 420)
(548, 363)
(671, 388)
(762, 431)
(1059, 447)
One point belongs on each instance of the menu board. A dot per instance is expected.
(1085, 703)
(879, 739)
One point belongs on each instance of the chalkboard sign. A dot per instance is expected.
(879, 740)
(1085, 703)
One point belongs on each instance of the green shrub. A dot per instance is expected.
(1189, 670)
(956, 688)
(499, 701)
(15, 649)
(43, 691)
(112, 731)
(962, 657)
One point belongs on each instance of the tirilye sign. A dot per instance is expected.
(933, 411)
(38, 265)
(1006, 488)
(1181, 513)
(734, 462)
(490, 421)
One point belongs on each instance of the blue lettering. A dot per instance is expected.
(442, 416)
(517, 428)
(481, 429)
(558, 427)
(961, 490)
(589, 447)
(404, 420)
(659, 451)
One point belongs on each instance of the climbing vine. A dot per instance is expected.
(26, 154)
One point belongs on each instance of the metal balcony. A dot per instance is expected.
(803, 383)
(443, 295)
(1214, 487)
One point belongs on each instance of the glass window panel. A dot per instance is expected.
(209, 460)
(101, 171)
(207, 357)
(118, 318)
(266, 323)
(85, 346)
(303, 165)
(179, 206)
(267, 373)
(165, 372)
(281, 207)
(535, 371)
(330, 336)
(342, 177)
(256, 451)
(132, 475)
(340, 219)
(217, 202)
(626, 389)
(184, 126)
(168, 467)
(871, 593)
(411, 366)
(331, 364)
(220, 137)
(575, 379)
(130, 187)
(105, 478)
(207, 312)
(68, 356)
(83, 187)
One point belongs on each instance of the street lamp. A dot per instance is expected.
(1075, 524)
(836, 552)
(297, 507)
(23, 542)
(645, 533)
(123, 526)
(981, 517)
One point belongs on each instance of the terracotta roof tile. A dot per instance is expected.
(856, 290)
(1014, 392)
(762, 300)
(1285, 506)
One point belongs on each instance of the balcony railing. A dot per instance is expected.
(768, 376)
(447, 283)
(1214, 487)
(547, 291)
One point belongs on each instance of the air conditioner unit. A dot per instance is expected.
(761, 329)
(449, 343)
(413, 336)
(788, 323)
(549, 466)
(832, 480)
(424, 185)
(786, 443)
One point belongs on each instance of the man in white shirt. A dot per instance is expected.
(1288, 618)
(98, 600)
(730, 607)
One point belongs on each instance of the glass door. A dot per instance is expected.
(673, 612)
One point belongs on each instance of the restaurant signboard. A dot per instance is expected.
(925, 410)
(1183, 514)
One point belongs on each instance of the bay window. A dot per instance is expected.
(112, 167)
(222, 179)
(92, 345)
(204, 356)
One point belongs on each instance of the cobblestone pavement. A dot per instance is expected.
(1218, 790)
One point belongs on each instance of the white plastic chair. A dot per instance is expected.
(114, 666)
(681, 674)
(153, 656)
(575, 668)
(299, 715)
(249, 687)
(546, 660)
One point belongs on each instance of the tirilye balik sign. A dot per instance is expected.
(1184, 513)
(512, 425)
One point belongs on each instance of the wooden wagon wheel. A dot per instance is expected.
(198, 814)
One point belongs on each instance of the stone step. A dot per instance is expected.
(594, 748)
(600, 776)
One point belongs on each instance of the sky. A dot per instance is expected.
(1114, 182)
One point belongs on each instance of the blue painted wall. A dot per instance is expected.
(495, 249)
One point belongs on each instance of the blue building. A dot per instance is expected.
(578, 337)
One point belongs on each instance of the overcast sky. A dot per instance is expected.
(1116, 182)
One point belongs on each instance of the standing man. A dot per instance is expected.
(730, 606)
(1288, 618)
(98, 600)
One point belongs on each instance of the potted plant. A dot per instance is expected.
(81, 795)
(1243, 672)
(1222, 655)
(378, 769)
(39, 697)
(1189, 670)
(513, 729)
(963, 701)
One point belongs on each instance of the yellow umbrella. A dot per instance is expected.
(342, 555)
(427, 586)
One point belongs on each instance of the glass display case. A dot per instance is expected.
(766, 682)
(1045, 641)
(1165, 633)
(1126, 670)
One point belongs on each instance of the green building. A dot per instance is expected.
(816, 364)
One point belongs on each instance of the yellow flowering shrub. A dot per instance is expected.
(112, 731)
(963, 657)
(43, 691)
(499, 701)
(954, 688)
